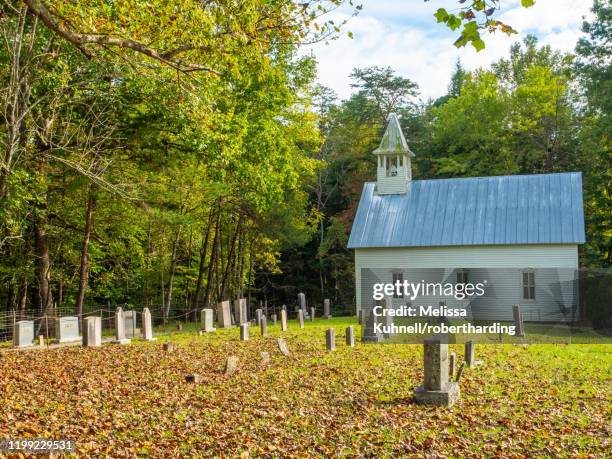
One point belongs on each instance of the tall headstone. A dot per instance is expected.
(302, 301)
(224, 318)
(258, 314)
(283, 320)
(312, 313)
(240, 311)
(369, 331)
(130, 322)
(147, 325)
(207, 320)
(120, 337)
(330, 339)
(350, 336)
(301, 318)
(244, 332)
(469, 353)
(436, 388)
(326, 309)
(23, 333)
(92, 332)
(263, 325)
(518, 320)
(67, 329)
(274, 319)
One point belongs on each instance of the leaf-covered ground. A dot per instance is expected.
(535, 401)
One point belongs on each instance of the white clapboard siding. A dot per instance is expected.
(507, 289)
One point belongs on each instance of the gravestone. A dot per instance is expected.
(130, 321)
(469, 353)
(326, 309)
(265, 358)
(207, 320)
(350, 336)
(231, 364)
(302, 301)
(330, 339)
(263, 325)
(224, 318)
(67, 329)
(284, 307)
(387, 303)
(240, 311)
(41, 340)
(274, 319)
(147, 325)
(312, 313)
(518, 320)
(169, 347)
(244, 332)
(92, 332)
(23, 333)
(369, 333)
(452, 366)
(283, 320)
(301, 318)
(258, 314)
(360, 317)
(436, 388)
(120, 337)
(282, 346)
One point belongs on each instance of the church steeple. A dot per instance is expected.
(394, 169)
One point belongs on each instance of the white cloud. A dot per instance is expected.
(407, 38)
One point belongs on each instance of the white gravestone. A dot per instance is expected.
(258, 314)
(274, 319)
(240, 311)
(326, 309)
(312, 313)
(263, 324)
(207, 319)
(350, 336)
(147, 325)
(244, 332)
(518, 320)
(92, 332)
(67, 330)
(436, 388)
(130, 319)
(301, 318)
(224, 318)
(120, 337)
(283, 320)
(302, 303)
(23, 333)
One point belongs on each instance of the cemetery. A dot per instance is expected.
(246, 389)
(285, 229)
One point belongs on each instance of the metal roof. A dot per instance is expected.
(516, 209)
(393, 140)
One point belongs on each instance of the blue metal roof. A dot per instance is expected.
(515, 209)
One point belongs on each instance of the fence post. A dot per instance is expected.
(14, 325)
(47, 329)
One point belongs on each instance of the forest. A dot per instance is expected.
(176, 154)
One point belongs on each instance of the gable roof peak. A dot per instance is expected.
(393, 140)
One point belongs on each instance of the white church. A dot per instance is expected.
(518, 233)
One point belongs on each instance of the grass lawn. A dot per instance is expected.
(537, 401)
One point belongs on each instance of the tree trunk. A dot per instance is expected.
(213, 258)
(202, 268)
(84, 267)
(230, 258)
(168, 302)
(43, 266)
(23, 293)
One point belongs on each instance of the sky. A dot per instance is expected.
(404, 34)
